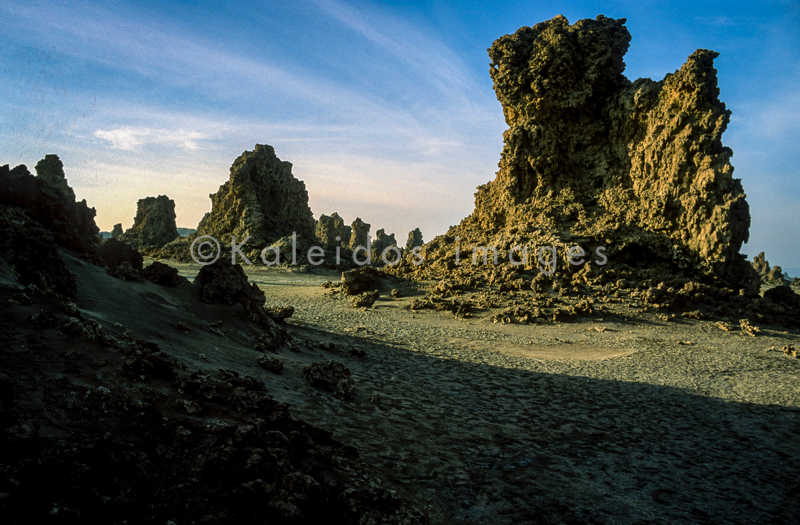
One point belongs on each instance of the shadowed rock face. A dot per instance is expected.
(48, 200)
(637, 167)
(117, 231)
(261, 199)
(381, 242)
(154, 224)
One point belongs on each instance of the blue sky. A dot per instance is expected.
(386, 109)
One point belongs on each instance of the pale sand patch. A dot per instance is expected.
(551, 352)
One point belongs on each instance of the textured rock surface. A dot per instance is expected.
(594, 159)
(329, 228)
(261, 199)
(154, 224)
(381, 242)
(117, 231)
(414, 239)
(330, 376)
(772, 275)
(223, 282)
(359, 235)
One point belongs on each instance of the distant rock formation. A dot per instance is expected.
(381, 242)
(117, 231)
(773, 275)
(360, 234)
(154, 224)
(414, 239)
(262, 199)
(594, 159)
(330, 230)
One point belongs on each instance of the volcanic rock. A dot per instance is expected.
(360, 234)
(330, 230)
(113, 253)
(48, 200)
(154, 224)
(593, 159)
(160, 273)
(117, 231)
(33, 253)
(414, 239)
(330, 376)
(262, 199)
(381, 242)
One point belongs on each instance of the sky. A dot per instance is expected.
(385, 109)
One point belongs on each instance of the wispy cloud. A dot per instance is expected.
(129, 138)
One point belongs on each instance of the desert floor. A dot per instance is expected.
(618, 419)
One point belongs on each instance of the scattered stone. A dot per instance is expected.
(180, 325)
(271, 364)
(280, 314)
(365, 300)
(330, 376)
(395, 293)
(748, 328)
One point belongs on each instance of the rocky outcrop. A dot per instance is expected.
(223, 282)
(154, 224)
(262, 199)
(767, 274)
(360, 234)
(48, 200)
(117, 231)
(32, 253)
(414, 239)
(330, 230)
(593, 159)
(381, 242)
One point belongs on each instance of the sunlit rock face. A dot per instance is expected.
(261, 199)
(588, 155)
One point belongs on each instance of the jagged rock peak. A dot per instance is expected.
(414, 239)
(50, 170)
(359, 235)
(590, 154)
(154, 224)
(329, 228)
(261, 199)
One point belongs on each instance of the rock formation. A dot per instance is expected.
(261, 199)
(414, 239)
(591, 158)
(329, 228)
(381, 242)
(117, 231)
(48, 200)
(773, 275)
(360, 234)
(154, 224)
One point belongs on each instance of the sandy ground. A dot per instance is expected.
(601, 420)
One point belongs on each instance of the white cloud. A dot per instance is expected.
(129, 138)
